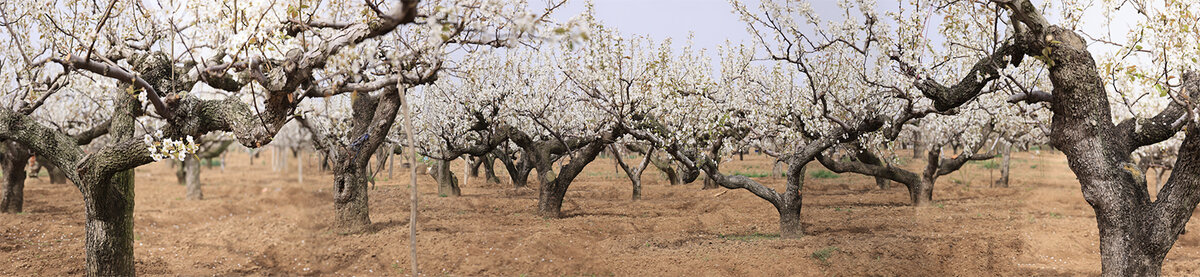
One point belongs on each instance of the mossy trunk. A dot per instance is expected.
(109, 226)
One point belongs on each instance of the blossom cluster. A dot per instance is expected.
(161, 148)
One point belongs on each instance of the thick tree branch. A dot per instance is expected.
(119, 74)
(945, 98)
(1031, 97)
(1147, 131)
(86, 137)
(887, 171)
(53, 146)
(198, 117)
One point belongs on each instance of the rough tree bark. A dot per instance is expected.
(518, 171)
(447, 182)
(13, 159)
(372, 117)
(108, 202)
(105, 176)
(543, 154)
(352, 213)
(1135, 233)
(789, 206)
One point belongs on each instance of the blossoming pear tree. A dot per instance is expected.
(376, 73)
(1156, 56)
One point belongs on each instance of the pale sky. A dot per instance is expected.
(711, 22)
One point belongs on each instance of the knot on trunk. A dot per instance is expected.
(342, 189)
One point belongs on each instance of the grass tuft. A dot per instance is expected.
(751, 174)
(824, 253)
(824, 174)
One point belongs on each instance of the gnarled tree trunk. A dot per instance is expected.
(13, 159)
(789, 205)
(921, 195)
(350, 198)
(447, 182)
(868, 158)
(518, 171)
(489, 169)
(1135, 233)
(554, 188)
(108, 202)
(109, 227)
(790, 224)
(550, 199)
(372, 117)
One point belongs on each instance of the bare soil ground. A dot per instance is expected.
(258, 222)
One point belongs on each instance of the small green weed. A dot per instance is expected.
(751, 174)
(824, 174)
(824, 253)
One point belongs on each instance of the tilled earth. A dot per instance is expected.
(256, 221)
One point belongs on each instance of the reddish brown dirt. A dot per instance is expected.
(259, 222)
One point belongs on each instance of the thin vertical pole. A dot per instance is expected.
(412, 221)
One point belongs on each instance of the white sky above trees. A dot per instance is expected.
(709, 22)
(712, 22)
